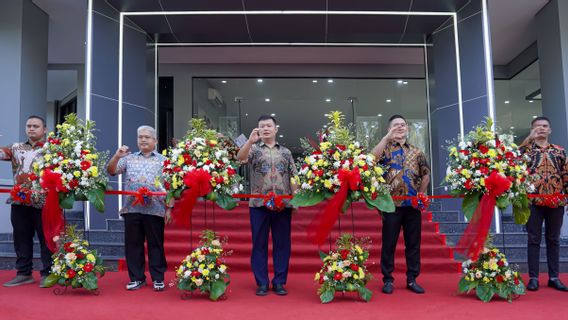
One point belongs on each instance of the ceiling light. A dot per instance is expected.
(507, 101)
(281, 136)
(388, 100)
(330, 81)
(277, 126)
(224, 81)
(328, 100)
(380, 115)
(405, 82)
(314, 81)
(399, 82)
(512, 127)
(326, 114)
(367, 136)
(373, 126)
(531, 101)
(259, 80)
(267, 99)
(246, 114)
(534, 117)
(273, 114)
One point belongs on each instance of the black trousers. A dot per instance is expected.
(137, 229)
(552, 218)
(410, 219)
(26, 222)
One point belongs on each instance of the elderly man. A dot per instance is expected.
(144, 221)
(26, 216)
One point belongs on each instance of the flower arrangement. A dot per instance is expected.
(491, 275)
(199, 158)
(71, 161)
(205, 269)
(484, 152)
(74, 264)
(344, 269)
(338, 159)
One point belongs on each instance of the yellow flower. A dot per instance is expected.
(492, 153)
(336, 156)
(358, 249)
(379, 171)
(453, 151)
(94, 171)
(65, 142)
(466, 173)
(361, 273)
(482, 181)
(317, 277)
(213, 142)
(366, 189)
(367, 173)
(327, 184)
(211, 266)
(91, 257)
(355, 276)
(47, 157)
(206, 272)
(77, 174)
(91, 156)
(180, 161)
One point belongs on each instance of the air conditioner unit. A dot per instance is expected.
(215, 97)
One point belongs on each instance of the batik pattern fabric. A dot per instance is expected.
(23, 155)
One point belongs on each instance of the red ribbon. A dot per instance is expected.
(21, 194)
(421, 202)
(321, 225)
(141, 196)
(473, 239)
(274, 202)
(198, 184)
(52, 218)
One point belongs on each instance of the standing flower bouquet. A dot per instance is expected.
(344, 269)
(74, 264)
(204, 269)
(339, 169)
(197, 166)
(491, 275)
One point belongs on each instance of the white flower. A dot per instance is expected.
(70, 257)
(216, 243)
(187, 274)
(198, 282)
(222, 268)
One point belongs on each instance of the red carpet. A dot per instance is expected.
(436, 256)
(440, 302)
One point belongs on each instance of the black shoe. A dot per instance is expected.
(557, 284)
(414, 287)
(388, 288)
(279, 289)
(533, 285)
(262, 290)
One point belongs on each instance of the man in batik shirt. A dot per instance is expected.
(408, 174)
(271, 169)
(142, 221)
(25, 212)
(548, 172)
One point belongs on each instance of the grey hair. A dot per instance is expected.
(147, 128)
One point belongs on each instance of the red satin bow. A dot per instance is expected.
(321, 224)
(473, 239)
(421, 202)
(52, 218)
(274, 202)
(140, 196)
(198, 184)
(21, 194)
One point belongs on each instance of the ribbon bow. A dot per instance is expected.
(198, 184)
(421, 202)
(475, 234)
(323, 221)
(274, 202)
(21, 194)
(52, 218)
(142, 197)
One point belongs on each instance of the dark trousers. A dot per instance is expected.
(410, 220)
(262, 221)
(137, 229)
(26, 221)
(552, 218)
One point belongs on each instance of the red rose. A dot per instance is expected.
(88, 267)
(167, 162)
(218, 262)
(468, 184)
(80, 256)
(219, 180)
(337, 276)
(85, 165)
(499, 278)
(71, 273)
(195, 274)
(374, 195)
(484, 170)
(32, 176)
(354, 267)
(464, 152)
(483, 149)
(344, 254)
(67, 247)
(341, 147)
(85, 152)
(186, 158)
(167, 185)
(231, 171)
(205, 252)
(517, 281)
(509, 155)
(73, 184)
(321, 280)
(500, 263)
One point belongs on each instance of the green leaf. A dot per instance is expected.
(217, 289)
(323, 255)
(177, 193)
(51, 280)
(226, 201)
(365, 294)
(456, 192)
(97, 198)
(66, 200)
(90, 282)
(383, 202)
(463, 285)
(503, 202)
(470, 203)
(327, 296)
(484, 293)
(169, 197)
(307, 199)
(521, 211)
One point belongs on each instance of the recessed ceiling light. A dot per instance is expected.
(259, 80)
(281, 136)
(330, 81)
(507, 101)
(246, 114)
(388, 100)
(405, 82)
(314, 81)
(399, 82)
(534, 117)
(328, 100)
(373, 126)
(277, 126)
(273, 114)
(512, 127)
(367, 136)
(224, 81)
(380, 115)
(531, 101)
(267, 99)
(326, 114)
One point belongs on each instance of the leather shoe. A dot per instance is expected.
(557, 284)
(414, 287)
(279, 289)
(532, 285)
(388, 288)
(262, 290)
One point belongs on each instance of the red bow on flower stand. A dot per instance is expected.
(52, 218)
(198, 183)
(474, 236)
(321, 225)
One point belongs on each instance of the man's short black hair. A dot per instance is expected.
(396, 116)
(266, 117)
(39, 118)
(540, 118)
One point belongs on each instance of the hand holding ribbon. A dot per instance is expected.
(274, 202)
(198, 183)
(52, 218)
(474, 236)
(321, 224)
(421, 202)
(142, 197)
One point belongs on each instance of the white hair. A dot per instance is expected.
(151, 130)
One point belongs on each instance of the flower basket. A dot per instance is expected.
(344, 269)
